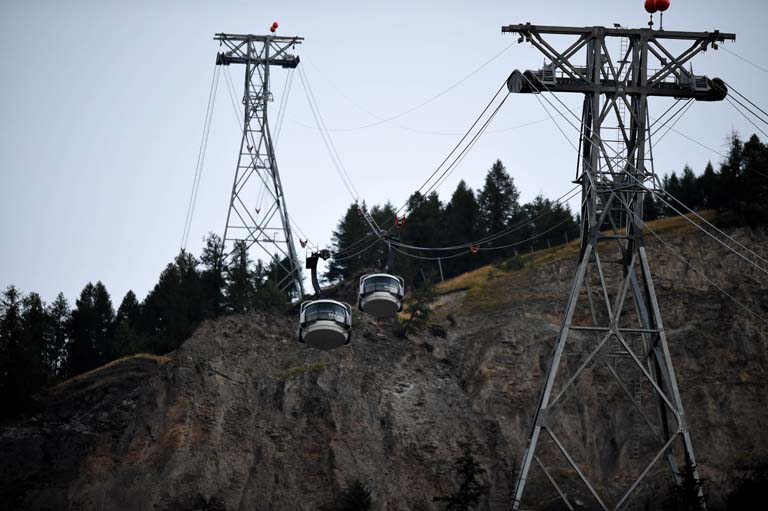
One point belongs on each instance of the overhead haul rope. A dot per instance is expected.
(761, 68)
(750, 121)
(698, 271)
(474, 249)
(680, 256)
(509, 230)
(731, 87)
(653, 192)
(200, 157)
(418, 106)
(376, 230)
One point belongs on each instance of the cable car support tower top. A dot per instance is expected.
(268, 227)
(612, 319)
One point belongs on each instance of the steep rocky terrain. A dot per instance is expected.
(242, 417)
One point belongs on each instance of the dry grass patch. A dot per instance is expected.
(158, 359)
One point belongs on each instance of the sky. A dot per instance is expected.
(102, 106)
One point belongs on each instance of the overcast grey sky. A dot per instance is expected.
(102, 106)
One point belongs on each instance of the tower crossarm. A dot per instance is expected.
(670, 78)
(250, 49)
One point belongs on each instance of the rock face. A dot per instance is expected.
(242, 417)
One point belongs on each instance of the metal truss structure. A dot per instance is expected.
(257, 214)
(612, 337)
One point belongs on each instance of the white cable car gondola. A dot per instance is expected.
(324, 324)
(381, 294)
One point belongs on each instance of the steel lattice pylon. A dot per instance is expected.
(256, 175)
(613, 324)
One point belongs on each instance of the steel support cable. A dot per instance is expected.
(500, 234)
(695, 269)
(731, 87)
(460, 158)
(640, 183)
(284, 105)
(679, 115)
(368, 247)
(761, 68)
(501, 247)
(383, 233)
(698, 216)
(458, 144)
(418, 106)
(321, 124)
(200, 157)
(750, 121)
(331, 148)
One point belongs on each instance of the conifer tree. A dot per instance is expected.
(58, 338)
(472, 488)
(709, 184)
(351, 236)
(241, 287)
(127, 339)
(34, 342)
(212, 276)
(90, 329)
(462, 224)
(11, 352)
(498, 200)
(175, 306)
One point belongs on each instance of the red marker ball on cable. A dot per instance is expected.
(661, 5)
(650, 6)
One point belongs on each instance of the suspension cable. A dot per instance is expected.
(200, 157)
(641, 184)
(380, 120)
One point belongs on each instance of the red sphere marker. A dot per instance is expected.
(274, 26)
(650, 6)
(661, 5)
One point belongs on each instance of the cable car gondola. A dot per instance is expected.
(381, 294)
(324, 324)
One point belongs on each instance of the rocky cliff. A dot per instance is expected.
(242, 417)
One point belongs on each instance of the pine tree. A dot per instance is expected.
(351, 236)
(498, 201)
(58, 338)
(90, 329)
(34, 321)
(11, 352)
(709, 183)
(175, 306)
(753, 205)
(212, 276)
(424, 227)
(461, 220)
(549, 224)
(127, 339)
(241, 287)
(471, 490)
(689, 193)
